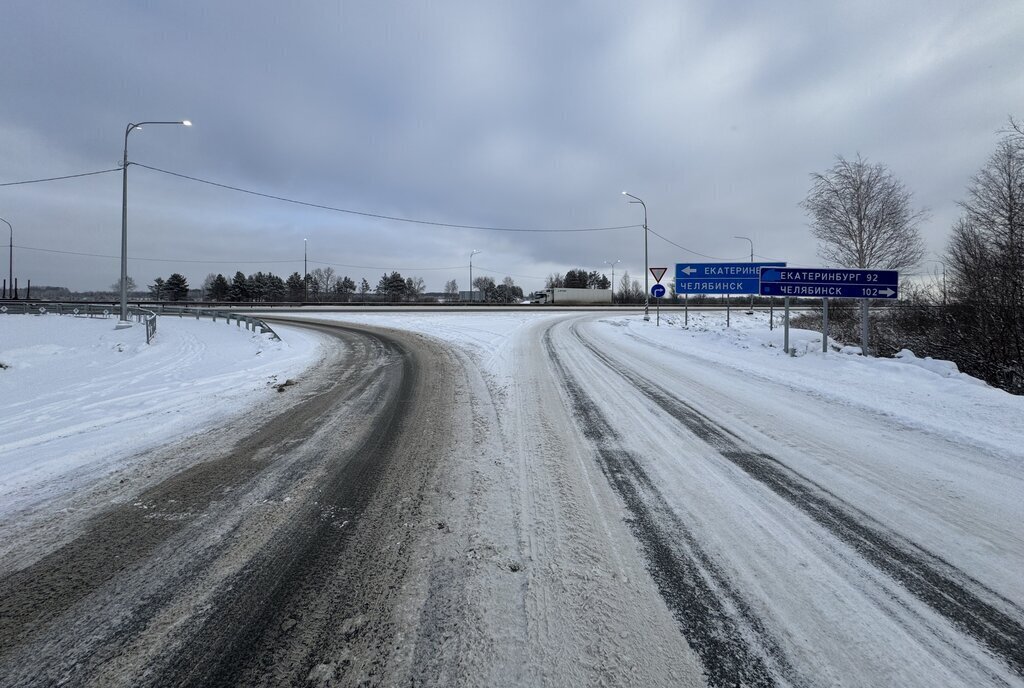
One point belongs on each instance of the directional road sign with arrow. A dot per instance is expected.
(719, 278)
(839, 283)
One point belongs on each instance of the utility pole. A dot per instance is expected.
(10, 276)
(305, 270)
(751, 260)
(612, 264)
(473, 253)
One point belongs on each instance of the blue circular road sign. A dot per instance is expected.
(658, 290)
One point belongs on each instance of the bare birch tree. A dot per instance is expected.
(862, 217)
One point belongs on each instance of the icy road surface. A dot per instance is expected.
(547, 499)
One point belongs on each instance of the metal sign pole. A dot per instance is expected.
(771, 313)
(824, 326)
(785, 321)
(657, 316)
(727, 297)
(686, 310)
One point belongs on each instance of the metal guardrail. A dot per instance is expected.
(142, 315)
(251, 323)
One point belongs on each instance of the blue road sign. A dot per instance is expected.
(839, 283)
(658, 290)
(719, 278)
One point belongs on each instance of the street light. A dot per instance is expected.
(647, 292)
(471, 273)
(305, 270)
(124, 322)
(613, 264)
(751, 260)
(10, 277)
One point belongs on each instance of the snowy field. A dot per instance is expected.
(79, 398)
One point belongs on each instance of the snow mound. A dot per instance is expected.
(936, 366)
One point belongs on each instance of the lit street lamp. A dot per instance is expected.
(751, 260)
(471, 273)
(10, 277)
(647, 272)
(613, 264)
(124, 322)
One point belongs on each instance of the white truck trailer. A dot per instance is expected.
(560, 296)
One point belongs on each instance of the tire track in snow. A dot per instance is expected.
(732, 642)
(934, 581)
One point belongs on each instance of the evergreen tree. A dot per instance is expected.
(219, 289)
(239, 290)
(294, 284)
(276, 289)
(364, 288)
(344, 288)
(176, 287)
(577, 279)
(157, 290)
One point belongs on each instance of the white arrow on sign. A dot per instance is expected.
(687, 271)
(887, 291)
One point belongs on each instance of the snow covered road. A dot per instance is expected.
(555, 498)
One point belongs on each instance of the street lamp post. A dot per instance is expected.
(10, 265)
(751, 260)
(124, 322)
(474, 252)
(305, 270)
(613, 264)
(647, 272)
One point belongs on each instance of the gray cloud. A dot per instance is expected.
(507, 114)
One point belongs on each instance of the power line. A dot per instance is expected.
(153, 260)
(378, 215)
(231, 261)
(688, 250)
(383, 267)
(53, 179)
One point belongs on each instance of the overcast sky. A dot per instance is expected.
(517, 114)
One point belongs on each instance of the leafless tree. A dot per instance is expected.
(862, 217)
(116, 286)
(986, 259)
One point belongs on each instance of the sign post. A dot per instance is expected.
(658, 291)
(826, 283)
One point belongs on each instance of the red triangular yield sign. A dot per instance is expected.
(658, 273)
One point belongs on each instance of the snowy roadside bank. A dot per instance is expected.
(917, 393)
(79, 398)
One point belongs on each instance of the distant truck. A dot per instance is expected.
(572, 297)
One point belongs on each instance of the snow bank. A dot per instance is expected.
(78, 398)
(921, 393)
